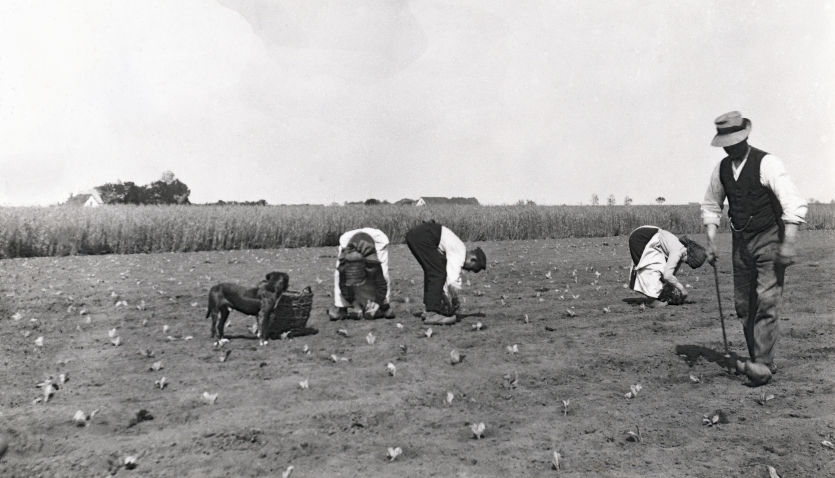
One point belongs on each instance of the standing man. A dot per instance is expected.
(765, 209)
(361, 279)
(442, 255)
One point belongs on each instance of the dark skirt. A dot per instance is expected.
(638, 240)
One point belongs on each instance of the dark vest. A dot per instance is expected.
(752, 207)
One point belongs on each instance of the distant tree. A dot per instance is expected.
(611, 200)
(595, 201)
(135, 194)
(660, 200)
(372, 202)
(122, 193)
(167, 190)
(627, 201)
(112, 193)
(160, 192)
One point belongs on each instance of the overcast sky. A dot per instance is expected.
(312, 101)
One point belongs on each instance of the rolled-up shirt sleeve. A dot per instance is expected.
(674, 250)
(714, 199)
(456, 253)
(672, 265)
(773, 175)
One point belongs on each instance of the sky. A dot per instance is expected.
(300, 101)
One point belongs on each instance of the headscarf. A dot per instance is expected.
(696, 254)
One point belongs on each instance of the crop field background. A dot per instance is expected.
(558, 348)
(61, 231)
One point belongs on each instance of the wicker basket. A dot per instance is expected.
(291, 312)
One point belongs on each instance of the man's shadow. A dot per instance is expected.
(471, 314)
(240, 336)
(692, 353)
(647, 300)
(637, 300)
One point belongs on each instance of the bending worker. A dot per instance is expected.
(656, 257)
(442, 255)
(361, 279)
(765, 209)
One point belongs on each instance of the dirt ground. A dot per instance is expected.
(263, 421)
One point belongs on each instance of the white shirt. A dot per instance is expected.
(773, 175)
(380, 238)
(381, 242)
(456, 253)
(671, 251)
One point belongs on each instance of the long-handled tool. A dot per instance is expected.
(721, 315)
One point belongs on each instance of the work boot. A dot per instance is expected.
(386, 311)
(338, 313)
(757, 373)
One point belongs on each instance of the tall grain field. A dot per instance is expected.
(61, 230)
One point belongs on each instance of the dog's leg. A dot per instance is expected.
(221, 325)
(212, 312)
(267, 304)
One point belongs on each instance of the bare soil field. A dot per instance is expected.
(558, 349)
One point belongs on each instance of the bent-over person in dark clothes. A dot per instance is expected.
(442, 255)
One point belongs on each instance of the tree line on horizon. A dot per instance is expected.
(166, 190)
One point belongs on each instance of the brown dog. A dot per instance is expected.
(226, 296)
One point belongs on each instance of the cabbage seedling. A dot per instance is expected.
(555, 461)
(393, 453)
(478, 430)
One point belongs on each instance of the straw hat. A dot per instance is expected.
(731, 128)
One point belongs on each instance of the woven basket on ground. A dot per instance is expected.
(291, 312)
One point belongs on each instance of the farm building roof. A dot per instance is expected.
(442, 200)
(78, 199)
(84, 199)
